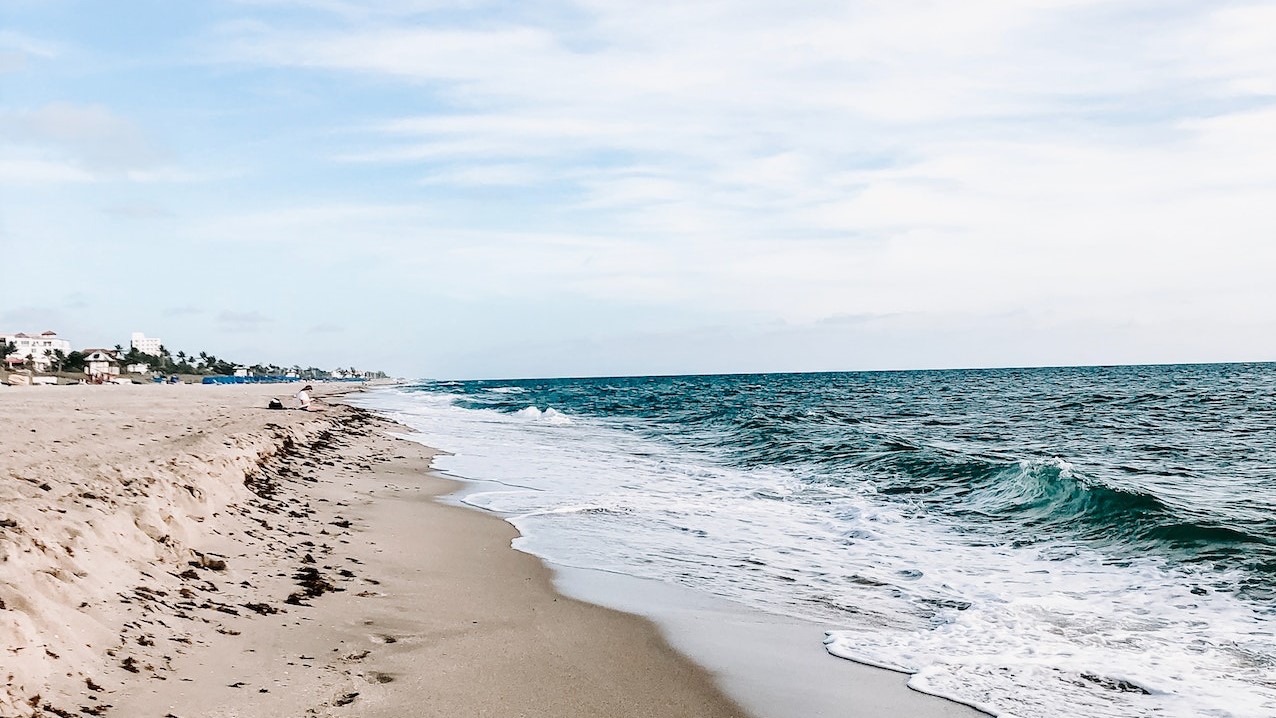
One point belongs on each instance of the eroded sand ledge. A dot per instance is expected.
(182, 551)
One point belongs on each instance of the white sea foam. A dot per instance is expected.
(1027, 632)
(548, 416)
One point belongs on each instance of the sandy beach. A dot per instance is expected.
(177, 551)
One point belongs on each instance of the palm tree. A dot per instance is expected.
(74, 361)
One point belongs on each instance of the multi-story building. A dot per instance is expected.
(145, 344)
(38, 348)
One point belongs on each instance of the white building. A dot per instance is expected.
(37, 348)
(100, 362)
(145, 344)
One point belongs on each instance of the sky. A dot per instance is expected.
(544, 188)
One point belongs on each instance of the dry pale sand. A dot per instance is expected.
(180, 551)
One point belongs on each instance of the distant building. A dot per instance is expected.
(100, 362)
(37, 348)
(243, 371)
(138, 368)
(145, 344)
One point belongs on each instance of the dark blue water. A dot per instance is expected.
(1174, 460)
(1063, 541)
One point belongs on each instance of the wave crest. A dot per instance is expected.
(548, 416)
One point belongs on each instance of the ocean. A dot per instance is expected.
(1096, 541)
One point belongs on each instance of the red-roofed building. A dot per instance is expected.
(39, 349)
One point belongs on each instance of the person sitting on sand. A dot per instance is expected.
(303, 396)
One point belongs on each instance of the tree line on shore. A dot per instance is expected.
(165, 362)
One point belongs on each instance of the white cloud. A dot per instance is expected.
(487, 175)
(91, 137)
(322, 226)
(825, 158)
(1233, 47)
(137, 211)
(29, 171)
(242, 321)
(360, 9)
(26, 45)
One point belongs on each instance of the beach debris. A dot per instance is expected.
(264, 609)
(313, 582)
(208, 561)
(345, 700)
(129, 664)
(1115, 684)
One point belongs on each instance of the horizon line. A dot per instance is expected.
(857, 371)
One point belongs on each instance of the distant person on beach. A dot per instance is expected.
(303, 397)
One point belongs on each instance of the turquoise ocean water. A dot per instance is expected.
(1037, 542)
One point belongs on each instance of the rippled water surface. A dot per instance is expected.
(1038, 542)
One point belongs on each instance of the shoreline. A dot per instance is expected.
(312, 563)
(771, 665)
